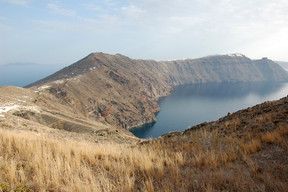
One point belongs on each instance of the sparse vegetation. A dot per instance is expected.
(69, 166)
(4, 187)
(276, 136)
(244, 151)
(202, 161)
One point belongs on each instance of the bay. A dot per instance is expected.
(190, 105)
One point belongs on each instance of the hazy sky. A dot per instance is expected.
(64, 31)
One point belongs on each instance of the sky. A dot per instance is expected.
(64, 31)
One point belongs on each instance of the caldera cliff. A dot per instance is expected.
(123, 92)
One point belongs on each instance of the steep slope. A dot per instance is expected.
(225, 68)
(111, 89)
(244, 151)
(120, 91)
(41, 114)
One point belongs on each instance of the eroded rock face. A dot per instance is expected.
(120, 91)
(235, 68)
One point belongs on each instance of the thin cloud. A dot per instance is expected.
(155, 29)
(132, 10)
(17, 2)
(52, 26)
(2, 18)
(93, 7)
(57, 9)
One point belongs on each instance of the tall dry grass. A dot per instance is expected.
(45, 164)
(202, 161)
(276, 136)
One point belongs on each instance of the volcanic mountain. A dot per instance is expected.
(123, 92)
(60, 134)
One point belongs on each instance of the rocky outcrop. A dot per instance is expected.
(117, 90)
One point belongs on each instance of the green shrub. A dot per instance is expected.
(23, 188)
(4, 187)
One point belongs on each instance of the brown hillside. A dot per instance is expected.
(41, 114)
(120, 91)
(60, 134)
(244, 151)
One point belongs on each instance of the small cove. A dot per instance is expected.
(192, 104)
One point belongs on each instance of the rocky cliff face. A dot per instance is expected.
(117, 90)
(225, 68)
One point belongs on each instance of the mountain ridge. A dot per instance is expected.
(92, 58)
(123, 92)
(67, 134)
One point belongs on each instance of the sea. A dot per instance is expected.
(193, 104)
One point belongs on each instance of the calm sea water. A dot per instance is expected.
(193, 104)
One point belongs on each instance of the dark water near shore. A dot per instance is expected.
(196, 103)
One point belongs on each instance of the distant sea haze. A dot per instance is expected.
(22, 74)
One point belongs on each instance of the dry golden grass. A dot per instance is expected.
(202, 161)
(249, 147)
(251, 164)
(271, 137)
(44, 164)
(275, 136)
(233, 123)
(261, 119)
